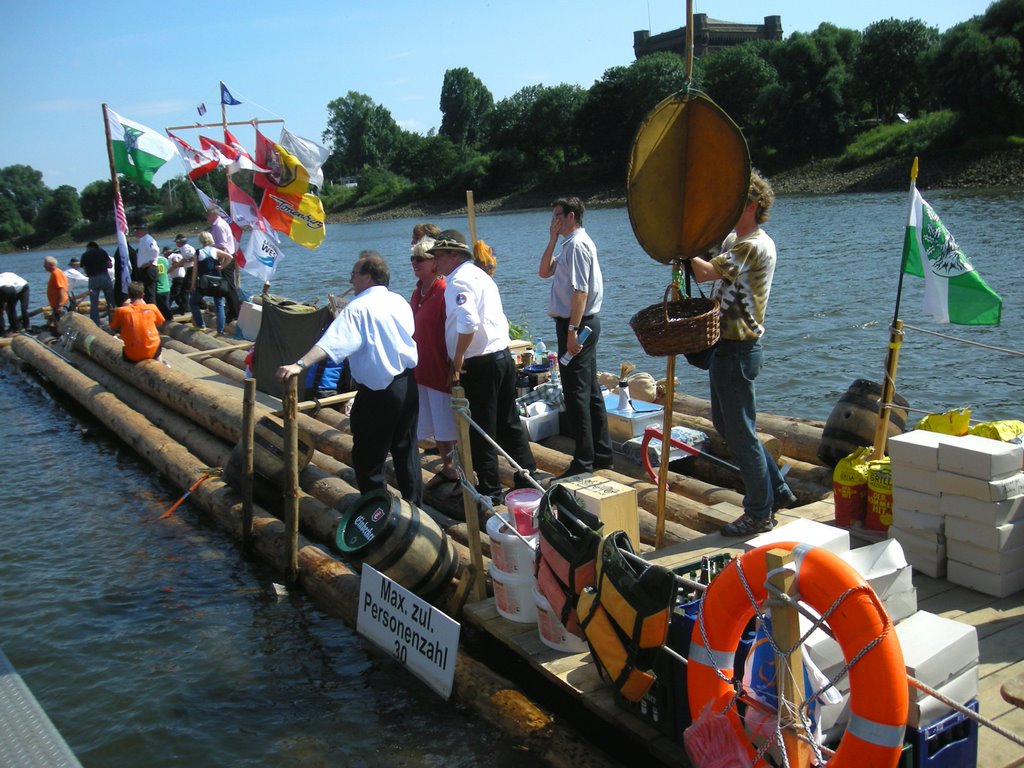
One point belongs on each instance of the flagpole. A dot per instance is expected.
(121, 237)
(895, 342)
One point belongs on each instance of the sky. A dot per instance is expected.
(154, 62)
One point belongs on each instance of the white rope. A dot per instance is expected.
(965, 341)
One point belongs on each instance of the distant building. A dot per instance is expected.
(708, 35)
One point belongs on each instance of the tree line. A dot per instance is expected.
(831, 92)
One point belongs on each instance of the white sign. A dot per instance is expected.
(422, 638)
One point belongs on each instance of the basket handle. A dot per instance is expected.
(664, 302)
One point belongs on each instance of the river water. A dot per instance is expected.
(153, 643)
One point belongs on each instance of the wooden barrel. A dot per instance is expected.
(398, 539)
(853, 421)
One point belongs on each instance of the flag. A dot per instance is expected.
(284, 171)
(201, 109)
(121, 228)
(233, 154)
(208, 202)
(310, 154)
(198, 162)
(301, 217)
(225, 96)
(953, 291)
(244, 211)
(139, 152)
(265, 256)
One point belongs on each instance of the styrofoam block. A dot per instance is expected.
(921, 524)
(980, 457)
(924, 555)
(928, 710)
(805, 532)
(914, 479)
(996, 537)
(936, 649)
(985, 490)
(994, 561)
(917, 501)
(987, 512)
(986, 582)
(917, 448)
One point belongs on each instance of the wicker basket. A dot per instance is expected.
(676, 327)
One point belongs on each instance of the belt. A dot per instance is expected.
(489, 356)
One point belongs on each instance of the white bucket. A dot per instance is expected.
(513, 596)
(523, 504)
(552, 633)
(509, 553)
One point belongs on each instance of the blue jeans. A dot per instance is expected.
(197, 313)
(98, 283)
(734, 367)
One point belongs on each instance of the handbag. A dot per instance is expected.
(211, 285)
(702, 359)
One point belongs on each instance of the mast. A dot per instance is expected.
(122, 239)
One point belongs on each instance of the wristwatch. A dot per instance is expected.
(301, 364)
(573, 327)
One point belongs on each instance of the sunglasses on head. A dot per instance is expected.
(420, 259)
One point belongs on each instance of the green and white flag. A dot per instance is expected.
(953, 291)
(139, 152)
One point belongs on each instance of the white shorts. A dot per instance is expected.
(436, 417)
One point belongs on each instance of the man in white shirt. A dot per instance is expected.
(145, 261)
(13, 290)
(476, 334)
(374, 333)
(181, 261)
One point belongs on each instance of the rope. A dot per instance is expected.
(208, 472)
(976, 717)
(989, 347)
(461, 406)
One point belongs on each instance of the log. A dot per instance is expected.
(225, 369)
(799, 437)
(333, 587)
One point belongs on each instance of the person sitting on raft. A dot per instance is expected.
(137, 322)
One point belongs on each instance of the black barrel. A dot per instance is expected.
(400, 540)
(854, 418)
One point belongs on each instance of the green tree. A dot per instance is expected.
(735, 78)
(616, 104)
(59, 213)
(465, 102)
(360, 133)
(431, 161)
(23, 185)
(889, 63)
(11, 223)
(97, 202)
(537, 124)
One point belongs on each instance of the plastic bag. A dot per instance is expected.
(1006, 431)
(711, 742)
(850, 486)
(953, 422)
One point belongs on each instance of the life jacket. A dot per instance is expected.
(625, 615)
(566, 553)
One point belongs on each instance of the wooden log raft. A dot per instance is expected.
(333, 587)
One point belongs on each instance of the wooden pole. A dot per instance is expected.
(291, 453)
(892, 358)
(248, 432)
(789, 671)
(218, 351)
(472, 218)
(476, 557)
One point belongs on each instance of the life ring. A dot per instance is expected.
(878, 680)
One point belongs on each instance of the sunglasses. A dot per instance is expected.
(420, 259)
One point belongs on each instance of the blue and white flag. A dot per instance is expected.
(201, 109)
(262, 256)
(226, 98)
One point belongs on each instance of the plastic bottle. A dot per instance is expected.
(583, 335)
(540, 351)
(553, 372)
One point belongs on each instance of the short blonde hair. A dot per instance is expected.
(760, 192)
(205, 238)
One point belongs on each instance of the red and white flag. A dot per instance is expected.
(198, 162)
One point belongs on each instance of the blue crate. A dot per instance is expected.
(952, 742)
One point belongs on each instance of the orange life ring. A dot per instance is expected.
(878, 681)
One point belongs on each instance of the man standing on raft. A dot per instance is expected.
(743, 272)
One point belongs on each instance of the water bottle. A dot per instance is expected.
(553, 372)
(582, 337)
(540, 351)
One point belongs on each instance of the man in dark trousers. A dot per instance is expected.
(96, 263)
(576, 294)
(374, 333)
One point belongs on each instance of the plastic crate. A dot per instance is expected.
(952, 742)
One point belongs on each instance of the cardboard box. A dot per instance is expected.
(885, 569)
(918, 449)
(935, 649)
(613, 502)
(542, 426)
(250, 316)
(921, 524)
(994, 561)
(986, 582)
(622, 425)
(995, 537)
(916, 501)
(928, 710)
(913, 479)
(805, 532)
(980, 457)
(985, 490)
(925, 555)
(987, 512)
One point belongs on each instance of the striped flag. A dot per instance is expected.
(121, 227)
(201, 109)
